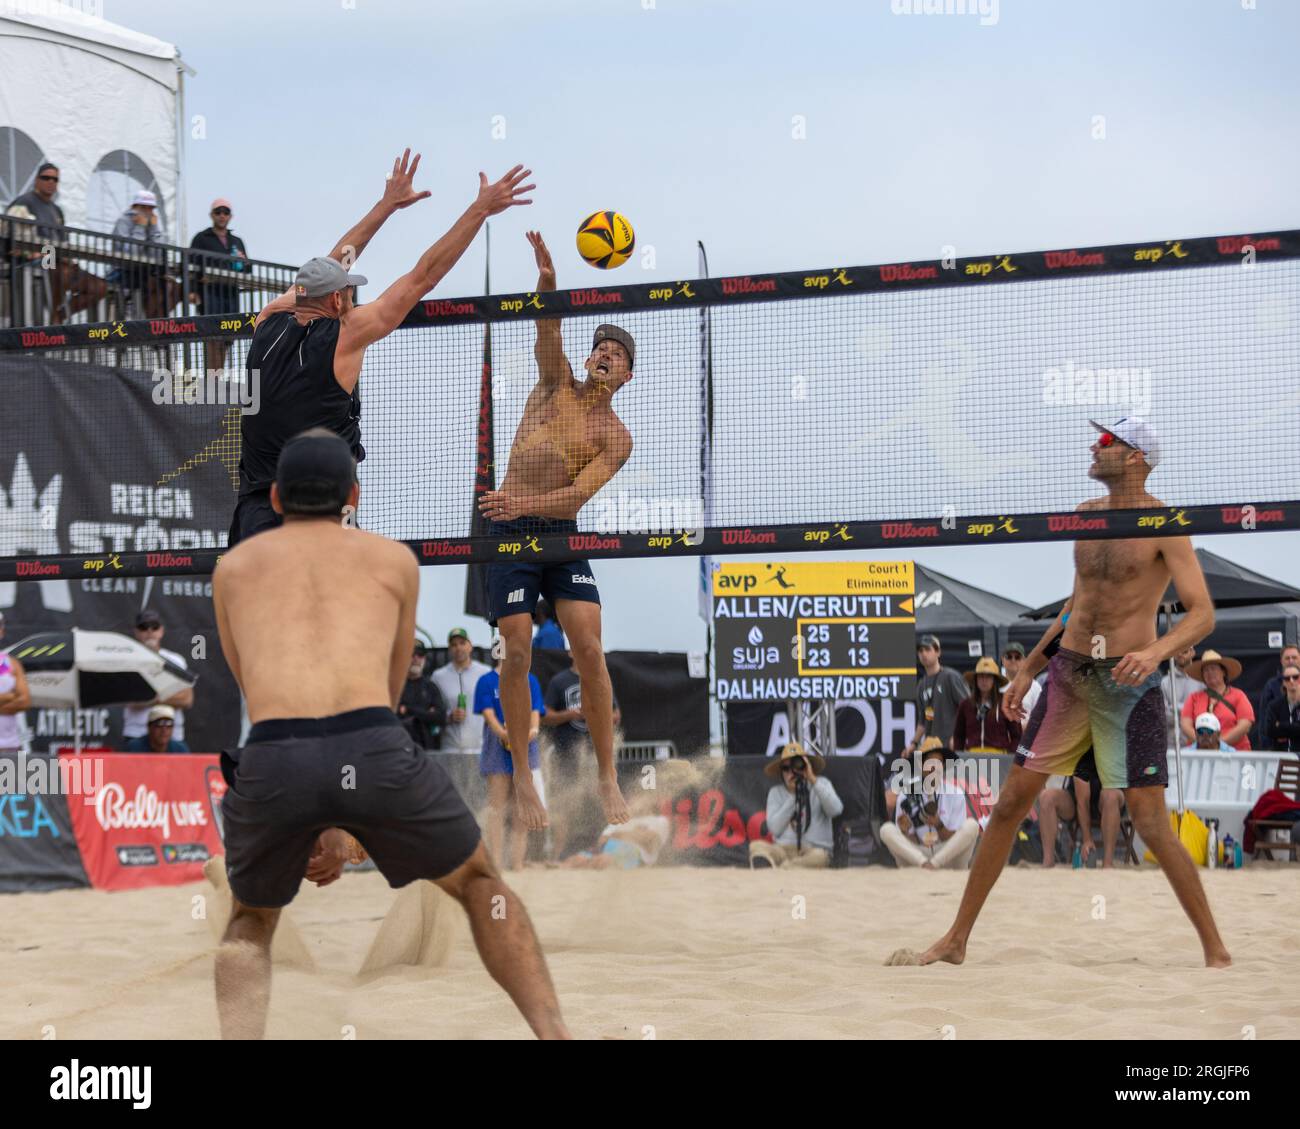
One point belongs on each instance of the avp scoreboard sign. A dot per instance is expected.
(815, 630)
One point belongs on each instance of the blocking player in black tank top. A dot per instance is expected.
(309, 343)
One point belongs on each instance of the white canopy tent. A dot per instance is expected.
(104, 103)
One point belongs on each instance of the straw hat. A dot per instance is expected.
(792, 750)
(933, 744)
(1232, 667)
(986, 665)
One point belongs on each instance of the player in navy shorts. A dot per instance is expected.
(568, 445)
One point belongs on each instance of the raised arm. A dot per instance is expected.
(367, 324)
(552, 365)
(398, 193)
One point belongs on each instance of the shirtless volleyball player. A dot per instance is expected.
(1112, 704)
(308, 345)
(568, 445)
(316, 621)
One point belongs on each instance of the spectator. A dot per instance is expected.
(573, 751)
(1221, 698)
(139, 225)
(421, 708)
(1013, 655)
(72, 288)
(496, 764)
(640, 840)
(219, 248)
(14, 697)
(149, 631)
(456, 682)
(799, 812)
(1184, 682)
(1083, 798)
(549, 633)
(981, 726)
(939, 691)
(162, 723)
(1208, 735)
(1274, 690)
(931, 828)
(1283, 720)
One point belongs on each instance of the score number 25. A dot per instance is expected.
(816, 656)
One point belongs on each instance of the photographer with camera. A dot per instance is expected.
(799, 812)
(931, 828)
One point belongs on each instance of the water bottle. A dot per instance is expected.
(1236, 855)
(1212, 845)
(460, 700)
(1078, 856)
(1228, 853)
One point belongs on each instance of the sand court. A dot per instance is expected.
(680, 952)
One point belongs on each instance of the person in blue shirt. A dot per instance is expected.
(162, 720)
(549, 633)
(496, 764)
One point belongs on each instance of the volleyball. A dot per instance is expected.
(606, 239)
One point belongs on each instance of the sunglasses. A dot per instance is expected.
(1206, 732)
(148, 626)
(47, 176)
(221, 211)
(1291, 678)
(790, 766)
(162, 722)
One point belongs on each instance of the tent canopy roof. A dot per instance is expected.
(59, 18)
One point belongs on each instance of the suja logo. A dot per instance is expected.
(754, 656)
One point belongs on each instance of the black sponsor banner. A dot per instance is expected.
(114, 518)
(1176, 521)
(982, 270)
(38, 850)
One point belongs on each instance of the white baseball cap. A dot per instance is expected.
(1207, 721)
(143, 197)
(1136, 432)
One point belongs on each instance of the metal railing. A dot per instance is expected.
(74, 275)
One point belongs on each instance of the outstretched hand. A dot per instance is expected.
(545, 267)
(506, 192)
(398, 190)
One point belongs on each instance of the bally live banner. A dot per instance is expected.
(126, 462)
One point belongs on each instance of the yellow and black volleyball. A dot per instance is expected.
(606, 239)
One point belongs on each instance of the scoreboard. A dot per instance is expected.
(814, 630)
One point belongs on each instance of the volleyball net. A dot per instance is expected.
(942, 402)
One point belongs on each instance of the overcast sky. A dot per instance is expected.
(920, 132)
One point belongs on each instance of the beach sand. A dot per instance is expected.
(681, 952)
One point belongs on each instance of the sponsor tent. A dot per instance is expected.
(108, 147)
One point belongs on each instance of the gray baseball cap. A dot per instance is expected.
(320, 276)
(614, 333)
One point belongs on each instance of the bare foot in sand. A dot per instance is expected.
(947, 948)
(928, 866)
(1220, 959)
